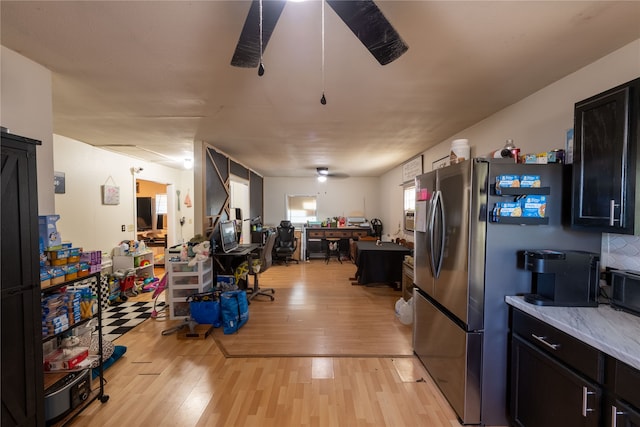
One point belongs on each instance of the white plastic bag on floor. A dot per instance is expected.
(404, 311)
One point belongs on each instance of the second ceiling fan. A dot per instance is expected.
(363, 17)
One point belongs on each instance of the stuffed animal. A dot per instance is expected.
(201, 252)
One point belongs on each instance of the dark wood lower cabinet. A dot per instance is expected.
(620, 414)
(558, 380)
(547, 394)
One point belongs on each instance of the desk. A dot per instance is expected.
(315, 239)
(379, 264)
(226, 263)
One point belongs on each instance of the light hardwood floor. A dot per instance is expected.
(164, 381)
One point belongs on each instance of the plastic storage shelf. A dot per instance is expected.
(184, 280)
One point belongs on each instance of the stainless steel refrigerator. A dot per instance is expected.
(464, 266)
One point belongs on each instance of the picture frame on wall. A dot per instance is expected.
(110, 193)
(411, 169)
(59, 183)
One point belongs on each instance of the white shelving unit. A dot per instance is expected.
(184, 281)
(137, 261)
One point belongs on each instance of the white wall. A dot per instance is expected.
(536, 123)
(335, 197)
(26, 110)
(85, 221)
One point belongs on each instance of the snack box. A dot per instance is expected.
(530, 181)
(91, 257)
(45, 278)
(508, 181)
(48, 231)
(508, 209)
(534, 206)
(61, 254)
(57, 275)
(65, 359)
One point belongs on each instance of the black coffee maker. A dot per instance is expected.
(562, 278)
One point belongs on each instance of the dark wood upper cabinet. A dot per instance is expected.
(605, 161)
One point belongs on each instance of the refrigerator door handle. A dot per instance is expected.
(437, 210)
(430, 237)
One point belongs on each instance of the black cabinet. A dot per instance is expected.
(620, 414)
(622, 404)
(558, 380)
(554, 377)
(22, 377)
(605, 161)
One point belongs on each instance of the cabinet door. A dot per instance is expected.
(604, 166)
(22, 382)
(544, 393)
(620, 414)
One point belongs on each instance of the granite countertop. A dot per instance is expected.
(613, 332)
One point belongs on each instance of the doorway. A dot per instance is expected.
(153, 220)
(239, 199)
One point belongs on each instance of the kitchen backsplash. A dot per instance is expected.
(620, 251)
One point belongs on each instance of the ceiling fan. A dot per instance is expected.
(363, 17)
(323, 174)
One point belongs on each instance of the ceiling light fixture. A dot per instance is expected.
(323, 171)
(322, 178)
(188, 163)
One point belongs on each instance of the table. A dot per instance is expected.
(227, 262)
(379, 263)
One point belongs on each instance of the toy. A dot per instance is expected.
(184, 253)
(201, 252)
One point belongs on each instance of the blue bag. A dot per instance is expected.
(205, 309)
(235, 310)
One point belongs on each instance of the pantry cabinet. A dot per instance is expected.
(22, 381)
(606, 180)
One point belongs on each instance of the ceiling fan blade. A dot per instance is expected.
(247, 53)
(371, 27)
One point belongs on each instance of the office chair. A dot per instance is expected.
(286, 242)
(265, 263)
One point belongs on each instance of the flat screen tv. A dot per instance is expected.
(144, 209)
(228, 240)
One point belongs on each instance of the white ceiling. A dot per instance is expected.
(148, 78)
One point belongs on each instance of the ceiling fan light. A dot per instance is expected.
(323, 171)
(322, 178)
(188, 163)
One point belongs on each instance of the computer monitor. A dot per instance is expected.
(228, 240)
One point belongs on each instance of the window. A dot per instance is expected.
(409, 198)
(301, 209)
(161, 204)
(409, 207)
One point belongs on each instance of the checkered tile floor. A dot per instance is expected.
(120, 319)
